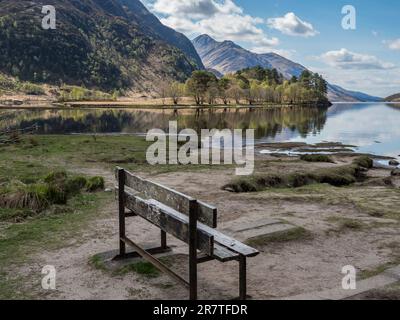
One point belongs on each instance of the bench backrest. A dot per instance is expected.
(207, 214)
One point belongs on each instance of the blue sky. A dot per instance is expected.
(309, 32)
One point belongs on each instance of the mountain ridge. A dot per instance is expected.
(228, 57)
(105, 44)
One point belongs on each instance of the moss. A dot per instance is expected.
(316, 158)
(95, 184)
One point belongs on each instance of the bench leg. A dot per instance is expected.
(121, 209)
(163, 240)
(242, 278)
(193, 250)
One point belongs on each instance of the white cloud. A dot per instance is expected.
(377, 82)
(345, 59)
(221, 19)
(393, 44)
(292, 25)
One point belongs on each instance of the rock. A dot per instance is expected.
(394, 163)
(396, 173)
(108, 190)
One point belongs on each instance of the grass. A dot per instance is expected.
(344, 224)
(143, 268)
(336, 176)
(369, 273)
(12, 85)
(55, 189)
(20, 241)
(294, 234)
(316, 158)
(75, 93)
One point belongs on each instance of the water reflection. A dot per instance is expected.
(373, 127)
(267, 123)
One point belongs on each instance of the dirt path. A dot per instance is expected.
(281, 270)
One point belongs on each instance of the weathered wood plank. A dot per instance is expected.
(168, 220)
(222, 254)
(207, 214)
(229, 242)
(219, 238)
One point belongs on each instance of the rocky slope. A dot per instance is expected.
(228, 57)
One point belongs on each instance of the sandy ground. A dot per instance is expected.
(281, 270)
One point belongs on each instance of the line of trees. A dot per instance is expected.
(252, 86)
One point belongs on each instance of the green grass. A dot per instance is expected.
(316, 158)
(344, 224)
(369, 273)
(20, 241)
(338, 176)
(97, 262)
(143, 268)
(75, 93)
(294, 234)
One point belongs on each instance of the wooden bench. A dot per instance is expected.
(187, 219)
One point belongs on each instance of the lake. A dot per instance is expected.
(373, 127)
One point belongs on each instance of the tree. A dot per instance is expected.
(176, 91)
(212, 92)
(223, 86)
(235, 92)
(306, 79)
(198, 84)
(163, 91)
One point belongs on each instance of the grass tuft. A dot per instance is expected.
(294, 234)
(95, 184)
(335, 176)
(316, 158)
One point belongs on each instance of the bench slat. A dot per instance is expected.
(231, 243)
(222, 254)
(169, 221)
(219, 238)
(207, 214)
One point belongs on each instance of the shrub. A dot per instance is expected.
(35, 197)
(32, 89)
(75, 185)
(95, 184)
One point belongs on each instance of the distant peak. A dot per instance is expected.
(205, 38)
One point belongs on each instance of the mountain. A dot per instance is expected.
(393, 98)
(107, 44)
(336, 93)
(228, 57)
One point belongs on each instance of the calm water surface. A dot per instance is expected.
(373, 127)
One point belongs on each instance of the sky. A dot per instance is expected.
(310, 32)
